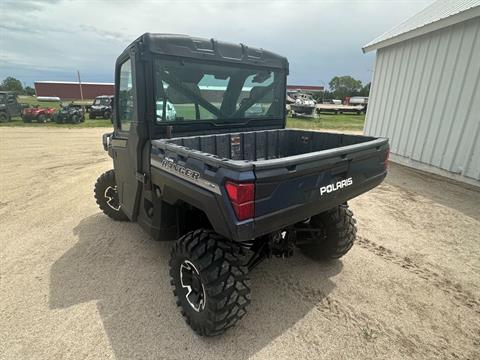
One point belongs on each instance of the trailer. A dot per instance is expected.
(340, 109)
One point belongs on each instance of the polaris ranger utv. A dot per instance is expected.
(218, 172)
(101, 107)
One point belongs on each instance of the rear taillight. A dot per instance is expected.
(242, 197)
(387, 156)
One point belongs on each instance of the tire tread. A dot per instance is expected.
(226, 283)
(340, 230)
(105, 180)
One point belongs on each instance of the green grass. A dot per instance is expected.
(16, 121)
(340, 122)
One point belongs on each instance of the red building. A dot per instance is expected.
(70, 90)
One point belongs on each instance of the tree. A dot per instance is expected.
(342, 86)
(327, 95)
(12, 84)
(29, 91)
(365, 90)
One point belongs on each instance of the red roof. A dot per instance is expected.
(66, 90)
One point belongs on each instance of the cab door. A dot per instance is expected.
(125, 140)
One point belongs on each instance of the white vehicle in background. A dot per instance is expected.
(358, 100)
(48, 98)
(256, 110)
(335, 106)
(303, 104)
(171, 113)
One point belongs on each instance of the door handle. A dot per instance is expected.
(119, 143)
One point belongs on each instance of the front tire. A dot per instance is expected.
(336, 235)
(106, 195)
(209, 280)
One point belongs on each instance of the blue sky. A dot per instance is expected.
(50, 40)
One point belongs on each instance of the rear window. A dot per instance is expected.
(189, 90)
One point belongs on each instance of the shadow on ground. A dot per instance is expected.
(126, 273)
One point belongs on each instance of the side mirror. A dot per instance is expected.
(106, 140)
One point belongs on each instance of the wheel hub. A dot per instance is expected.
(111, 197)
(191, 281)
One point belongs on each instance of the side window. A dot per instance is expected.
(125, 96)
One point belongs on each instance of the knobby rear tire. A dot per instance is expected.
(223, 278)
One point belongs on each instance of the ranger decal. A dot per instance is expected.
(170, 166)
(182, 170)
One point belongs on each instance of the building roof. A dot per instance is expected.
(73, 82)
(436, 16)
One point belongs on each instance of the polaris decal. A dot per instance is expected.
(336, 186)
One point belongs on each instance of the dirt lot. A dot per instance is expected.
(76, 285)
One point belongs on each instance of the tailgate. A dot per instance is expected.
(292, 189)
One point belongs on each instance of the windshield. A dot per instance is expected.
(194, 90)
(102, 101)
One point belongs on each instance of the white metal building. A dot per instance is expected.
(425, 93)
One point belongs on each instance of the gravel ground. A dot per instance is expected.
(76, 285)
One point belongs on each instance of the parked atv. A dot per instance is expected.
(38, 114)
(101, 107)
(70, 113)
(9, 106)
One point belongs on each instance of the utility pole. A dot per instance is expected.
(80, 84)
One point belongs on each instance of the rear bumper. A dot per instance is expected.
(278, 220)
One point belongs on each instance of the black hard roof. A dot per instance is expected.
(209, 49)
